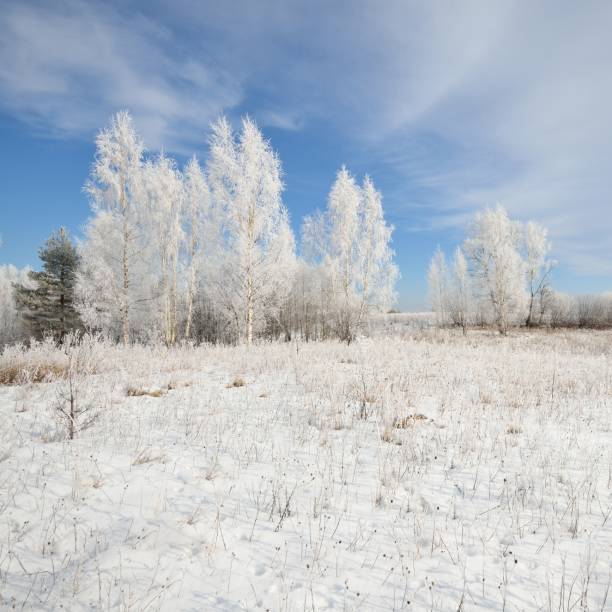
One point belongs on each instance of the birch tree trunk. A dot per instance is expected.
(192, 279)
(249, 277)
(126, 274)
(173, 301)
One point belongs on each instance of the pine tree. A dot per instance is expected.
(48, 307)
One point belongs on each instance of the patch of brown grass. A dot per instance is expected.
(14, 374)
(237, 382)
(513, 430)
(139, 392)
(408, 421)
(9, 375)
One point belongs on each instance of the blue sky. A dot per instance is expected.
(449, 106)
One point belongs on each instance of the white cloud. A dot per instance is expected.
(65, 68)
(280, 119)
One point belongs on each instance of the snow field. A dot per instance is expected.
(419, 472)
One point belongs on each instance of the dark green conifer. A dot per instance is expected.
(48, 308)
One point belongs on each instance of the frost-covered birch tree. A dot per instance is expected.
(461, 291)
(351, 243)
(163, 186)
(198, 222)
(493, 250)
(342, 250)
(537, 265)
(311, 290)
(437, 279)
(245, 179)
(378, 273)
(500, 276)
(112, 246)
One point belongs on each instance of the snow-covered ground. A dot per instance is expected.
(422, 471)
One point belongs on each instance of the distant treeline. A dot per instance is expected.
(501, 276)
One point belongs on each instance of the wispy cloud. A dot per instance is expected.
(515, 106)
(66, 66)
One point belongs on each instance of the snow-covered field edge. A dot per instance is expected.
(422, 471)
